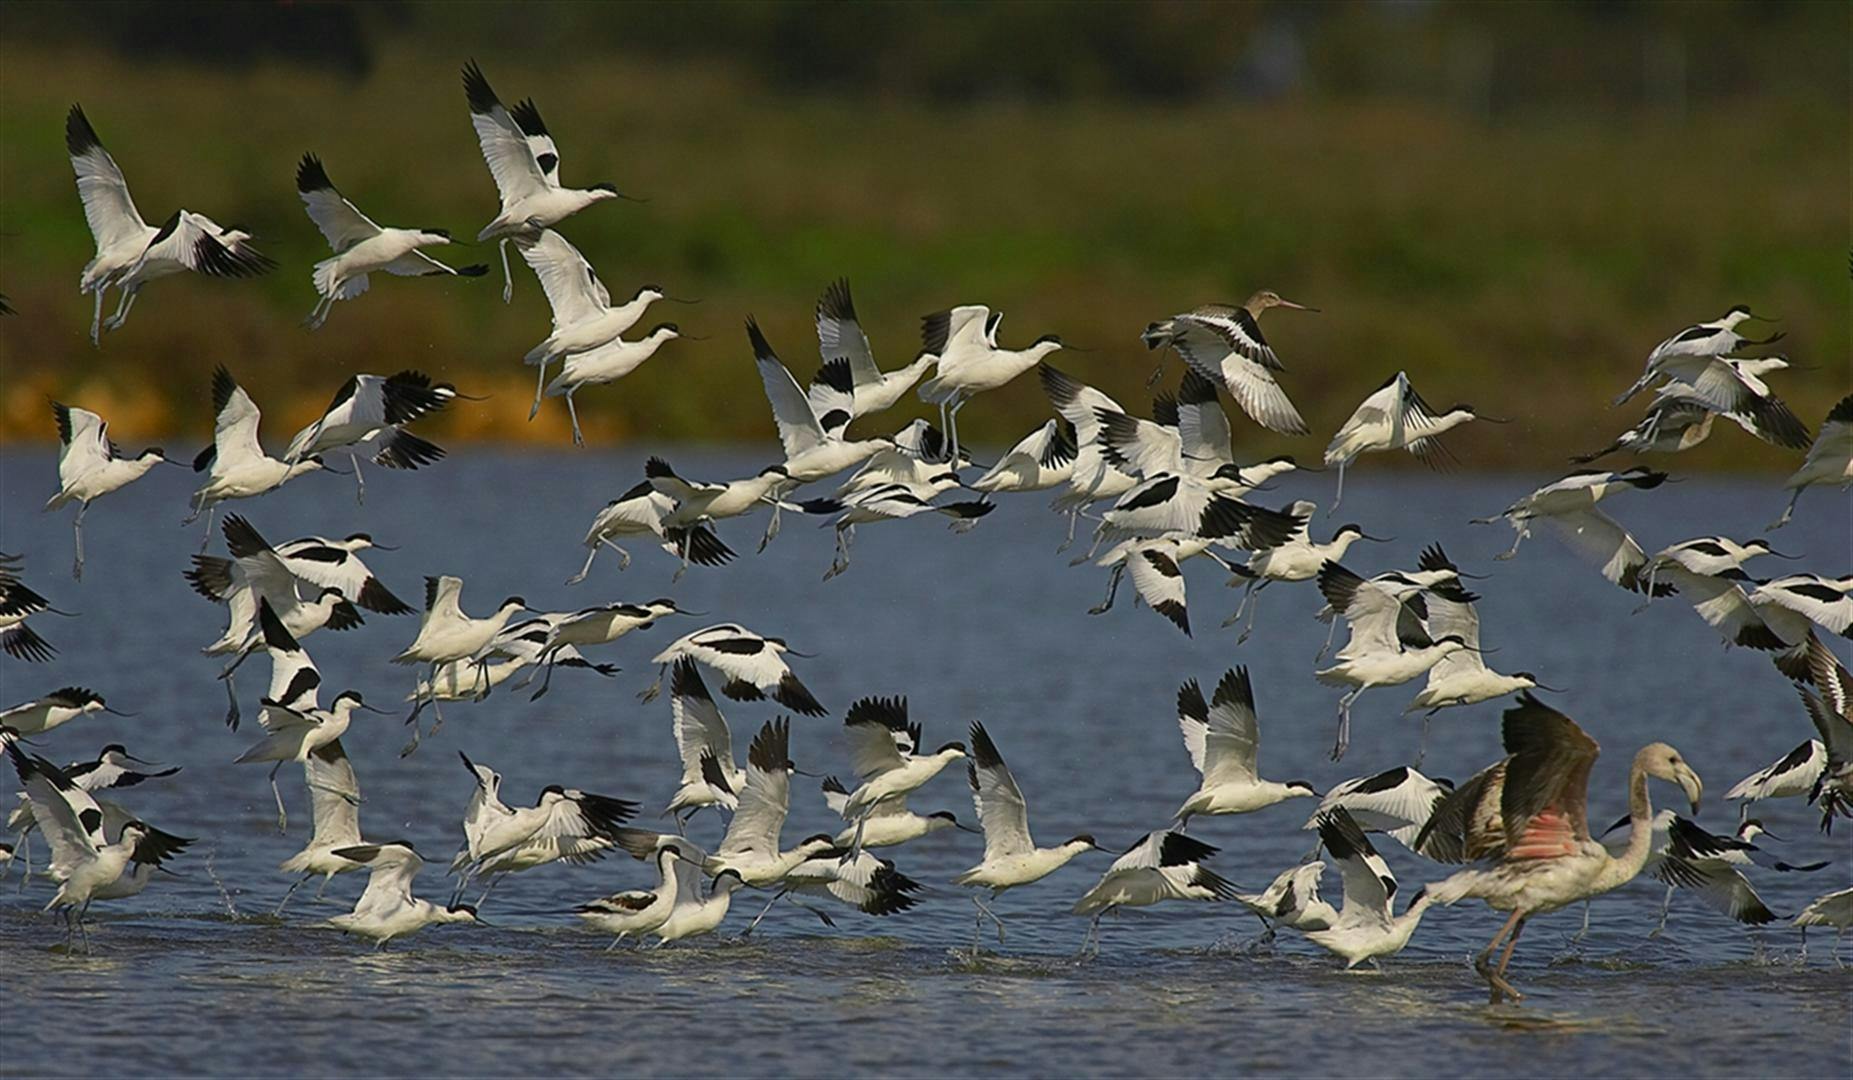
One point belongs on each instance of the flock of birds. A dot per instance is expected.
(1163, 490)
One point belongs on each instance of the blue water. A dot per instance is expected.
(194, 976)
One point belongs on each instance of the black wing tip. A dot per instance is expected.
(1340, 834)
(241, 537)
(79, 137)
(311, 176)
(984, 751)
(836, 302)
(762, 349)
(405, 450)
(1842, 412)
(1235, 687)
(771, 749)
(888, 712)
(685, 680)
(1190, 702)
(1176, 849)
(795, 696)
(476, 88)
(836, 375)
(375, 596)
(527, 118)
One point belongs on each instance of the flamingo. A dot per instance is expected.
(1545, 858)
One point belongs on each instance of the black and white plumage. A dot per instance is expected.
(368, 416)
(334, 802)
(894, 502)
(130, 252)
(1793, 775)
(1223, 342)
(361, 247)
(85, 861)
(849, 364)
(1570, 502)
(564, 825)
(1461, 677)
(753, 665)
(1829, 702)
(1292, 900)
(1677, 419)
(1160, 866)
(387, 909)
(810, 426)
(1093, 478)
(525, 163)
(1712, 866)
(970, 362)
(336, 564)
(1829, 461)
(53, 710)
(19, 602)
(1172, 504)
(1395, 417)
(644, 511)
(1397, 802)
(889, 759)
(704, 743)
(1044, 458)
(1223, 738)
(1704, 342)
(90, 467)
(1833, 909)
(1367, 925)
(235, 465)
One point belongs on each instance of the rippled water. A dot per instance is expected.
(195, 976)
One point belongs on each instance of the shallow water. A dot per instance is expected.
(194, 975)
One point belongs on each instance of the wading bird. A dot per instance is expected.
(525, 163)
(361, 247)
(1223, 342)
(368, 416)
(1829, 461)
(90, 467)
(1396, 418)
(235, 465)
(1543, 856)
(1223, 737)
(1161, 866)
(131, 252)
(753, 665)
(387, 909)
(849, 363)
(1367, 925)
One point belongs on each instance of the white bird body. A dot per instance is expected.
(387, 909)
(334, 798)
(884, 749)
(368, 415)
(813, 448)
(446, 633)
(1011, 857)
(1292, 899)
(54, 710)
(637, 912)
(1367, 926)
(1829, 460)
(889, 824)
(130, 252)
(1462, 677)
(751, 846)
(692, 913)
(849, 362)
(564, 824)
(361, 247)
(697, 502)
(1793, 775)
(753, 665)
(644, 511)
(236, 466)
(1710, 554)
(1394, 417)
(1043, 459)
(1161, 866)
(90, 467)
(584, 317)
(1223, 737)
(1223, 342)
(965, 341)
(704, 743)
(1396, 802)
(1703, 342)
(295, 734)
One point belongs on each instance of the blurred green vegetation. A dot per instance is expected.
(1513, 202)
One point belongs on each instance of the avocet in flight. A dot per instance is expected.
(235, 465)
(565, 823)
(1223, 737)
(886, 754)
(90, 467)
(387, 909)
(19, 602)
(131, 252)
(970, 361)
(1045, 458)
(55, 709)
(447, 634)
(1702, 342)
(525, 163)
(644, 511)
(704, 743)
(1224, 343)
(849, 363)
(1396, 802)
(368, 416)
(1161, 866)
(1367, 925)
(334, 804)
(813, 440)
(753, 665)
(1297, 559)
(1396, 418)
(1011, 858)
(1829, 461)
(362, 248)
(294, 734)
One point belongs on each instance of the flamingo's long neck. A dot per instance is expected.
(1640, 825)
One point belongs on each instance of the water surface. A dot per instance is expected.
(194, 976)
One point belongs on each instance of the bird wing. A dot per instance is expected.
(1371, 610)
(1141, 447)
(198, 243)
(443, 598)
(1002, 811)
(1202, 426)
(1389, 802)
(1544, 802)
(580, 825)
(294, 681)
(700, 729)
(108, 209)
(1835, 729)
(1723, 605)
(1829, 677)
(1722, 887)
(260, 565)
(1023, 463)
(1078, 403)
(505, 146)
(1822, 601)
(572, 286)
(340, 221)
(1233, 740)
(334, 796)
(840, 336)
(1369, 884)
(765, 798)
(1447, 616)
(1805, 761)
(1158, 581)
(1193, 722)
(799, 429)
(873, 725)
(1158, 850)
(67, 815)
(1597, 538)
(234, 432)
(390, 871)
(84, 442)
(1230, 351)
(1720, 385)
